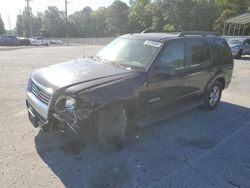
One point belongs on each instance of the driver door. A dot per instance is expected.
(165, 91)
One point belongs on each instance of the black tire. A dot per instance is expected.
(212, 96)
(239, 54)
(112, 123)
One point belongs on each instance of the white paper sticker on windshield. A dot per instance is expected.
(152, 43)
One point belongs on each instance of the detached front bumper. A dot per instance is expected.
(37, 111)
(35, 118)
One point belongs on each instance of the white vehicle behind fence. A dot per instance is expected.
(39, 41)
(55, 41)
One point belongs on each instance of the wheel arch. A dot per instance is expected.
(127, 102)
(222, 81)
(219, 76)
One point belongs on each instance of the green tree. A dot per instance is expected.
(53, 23)
(137, 19)
(83, 22)
(117, 18)
(238, 6)
(19, 25)
(228, 9)
(37, 24)
(26, 22)
(153, 15)
(204, 14)
(22, 23)
(184, 15)
(168, 27)
(169, 11)
(100, 22)
(218, 23)
(2, 28)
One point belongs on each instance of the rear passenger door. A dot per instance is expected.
(200, 65)
(246, 47)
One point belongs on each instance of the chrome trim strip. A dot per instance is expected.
(155, 99)
(42, 87)
(44, 95)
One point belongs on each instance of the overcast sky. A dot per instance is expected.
(12, 7)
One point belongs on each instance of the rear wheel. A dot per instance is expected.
(212, 96)
(112, 122)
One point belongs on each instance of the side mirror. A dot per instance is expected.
(165, 70)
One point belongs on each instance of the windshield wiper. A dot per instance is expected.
(114, 62)
(95, 57)
(98, 58)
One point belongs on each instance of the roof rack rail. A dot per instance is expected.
(148, 30)
(200, 33)
(151, 30)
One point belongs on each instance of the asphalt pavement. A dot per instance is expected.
(195, 149)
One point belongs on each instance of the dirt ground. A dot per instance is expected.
(195, 149)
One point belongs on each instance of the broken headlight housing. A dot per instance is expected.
(70, 104)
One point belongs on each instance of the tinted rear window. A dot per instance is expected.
(222, 52)
(199, 53)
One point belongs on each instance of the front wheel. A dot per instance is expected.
(212, 96)
(112, 122)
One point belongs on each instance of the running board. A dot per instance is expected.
(145, 122)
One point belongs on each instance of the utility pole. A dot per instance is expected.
(30, 24)
(67, 25)
(9, 24)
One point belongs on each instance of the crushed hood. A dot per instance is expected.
(76, 72)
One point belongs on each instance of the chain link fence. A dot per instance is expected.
(79, 41)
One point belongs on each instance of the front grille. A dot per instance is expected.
(40, 93)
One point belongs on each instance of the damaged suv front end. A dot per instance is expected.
(69, 94)
(71, 100)
(46, 107)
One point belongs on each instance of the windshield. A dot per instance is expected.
(130, 52)
(235, 41)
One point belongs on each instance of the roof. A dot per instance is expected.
(241, 19)
(151, 36)
(164, 36)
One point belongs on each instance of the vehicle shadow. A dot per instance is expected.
(152, 153)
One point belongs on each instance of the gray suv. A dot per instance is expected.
(133, 80)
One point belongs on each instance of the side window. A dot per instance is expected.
(247, 42)
(199, 53)
(174, 54)
(222, 52)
